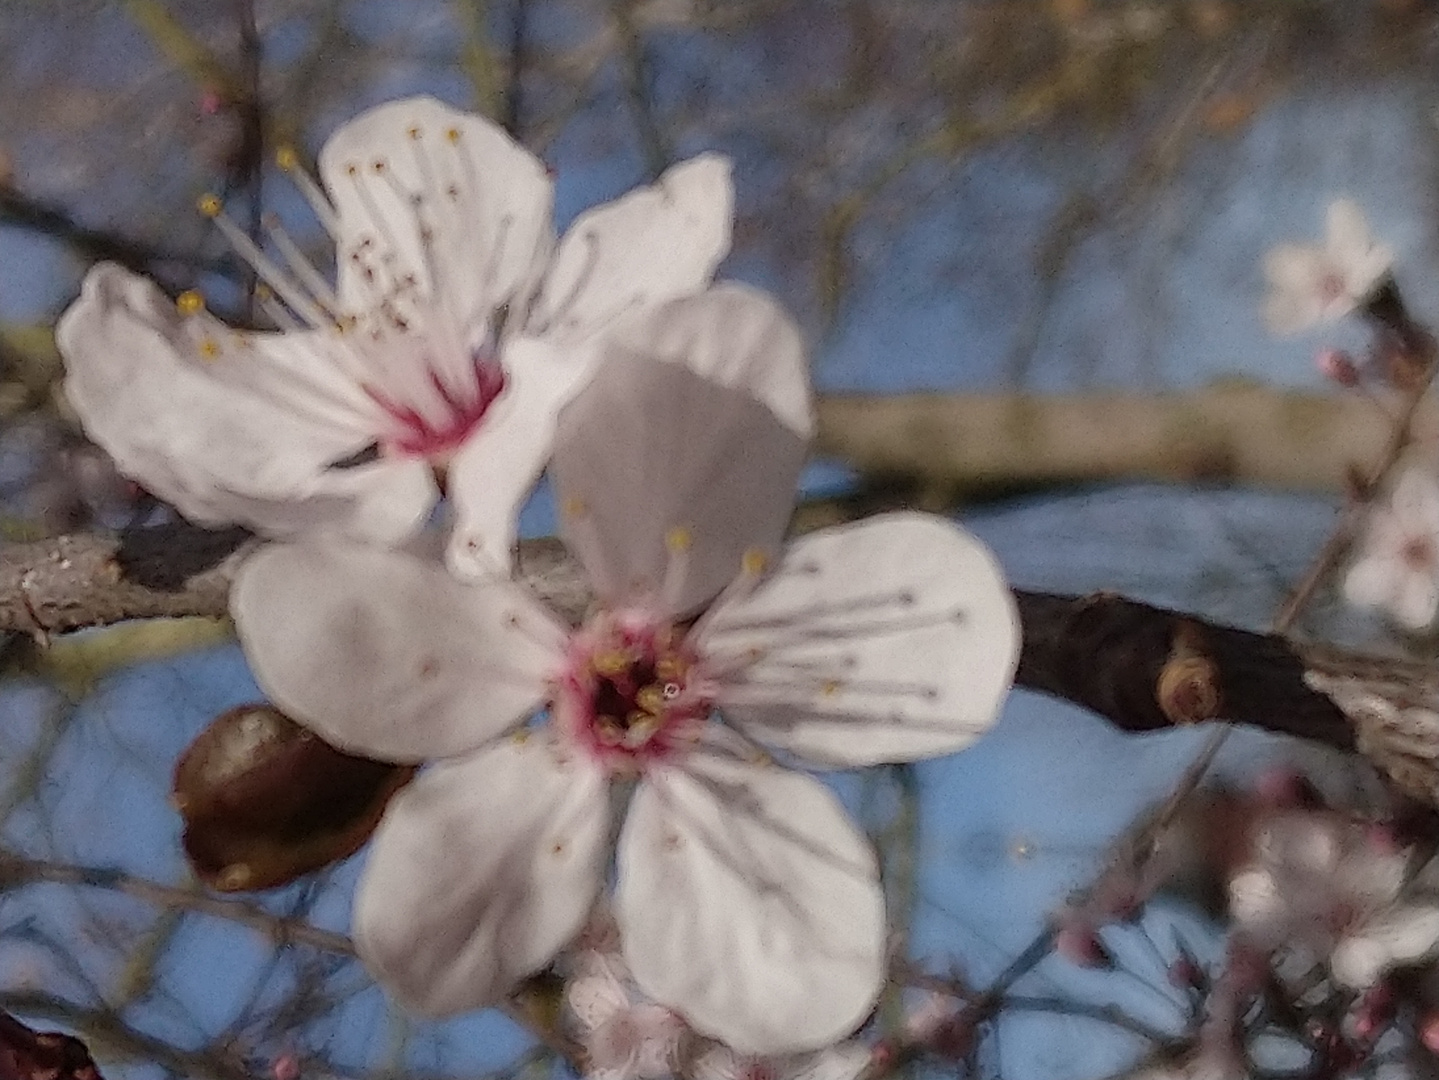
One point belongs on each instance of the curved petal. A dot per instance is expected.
(736, 336)
(1370, 582)
(1415, 600)
(750, 904)
(1416, 501)
(1347, 235)
(649, 448)
(888, 640)
(481, 871)
(230, 428)
(1403, 935)
(500, 462)
(651, 245)
(387, 655)
(422, 189)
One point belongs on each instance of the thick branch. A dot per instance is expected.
(1246, 433)
(1138, 666)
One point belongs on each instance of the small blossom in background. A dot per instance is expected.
(1398, 565)
(746, 900)
(624, 1036)
(457, 329)
(1322, 889)
(1313, 284)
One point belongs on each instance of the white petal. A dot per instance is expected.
(749, 903)
(481, 871)
(1416, 501)
(386, 654)
(892, 639)
(1347, 236)
(1416, 601)
(247, 438)
(736, 336)
(1370, 582)
(653, 244)
(649, 447)
(844, 1062)
(1294, 268)
(595, 998)
(1401, 936)
(484, 201)
(496, 469)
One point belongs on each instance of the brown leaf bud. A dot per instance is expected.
(265, 801)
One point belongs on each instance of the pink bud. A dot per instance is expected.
(1429, 1031)
(1285, 787)
(1184, 973)
(1337, 366)
(1080, 945)
(285, 1067)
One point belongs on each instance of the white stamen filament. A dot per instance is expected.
(269, 272)
(319, 202)
(301, 266)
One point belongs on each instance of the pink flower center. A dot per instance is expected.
(439, 413)
(633, 691)
(1418, 553)
(1332, 287)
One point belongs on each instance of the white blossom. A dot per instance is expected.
(1398, 565)
(1324, 889)
(745, 899)
(624, 1037)
(456, 329)
(1313, 284)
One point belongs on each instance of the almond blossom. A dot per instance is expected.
(1324, 889)
(663, 729)
(1398, 565)
(1313, 284)
(457, 328)
(624, 1036)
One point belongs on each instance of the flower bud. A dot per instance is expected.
(265, 801)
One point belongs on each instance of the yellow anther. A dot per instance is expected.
(190, 302)
(209, 348)
(287, 159)
(574, 507)
(613, 662)
(453, 134)
(413, 131)
(830, 688)
(351, 169)
(670, 669)
(651, 699)
(754, 561)
(679, 539)
(210, 205)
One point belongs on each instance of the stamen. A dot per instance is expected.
(289, 164)
(677, 543)
(753, 565)
(190, 302)
(269, 272)
(581, 525)
(302, 267)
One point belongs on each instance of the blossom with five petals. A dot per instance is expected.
(457, 328)
(1313, 284)
(746, 901)
(1398, 565)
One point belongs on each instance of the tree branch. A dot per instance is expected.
(1140, 667)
